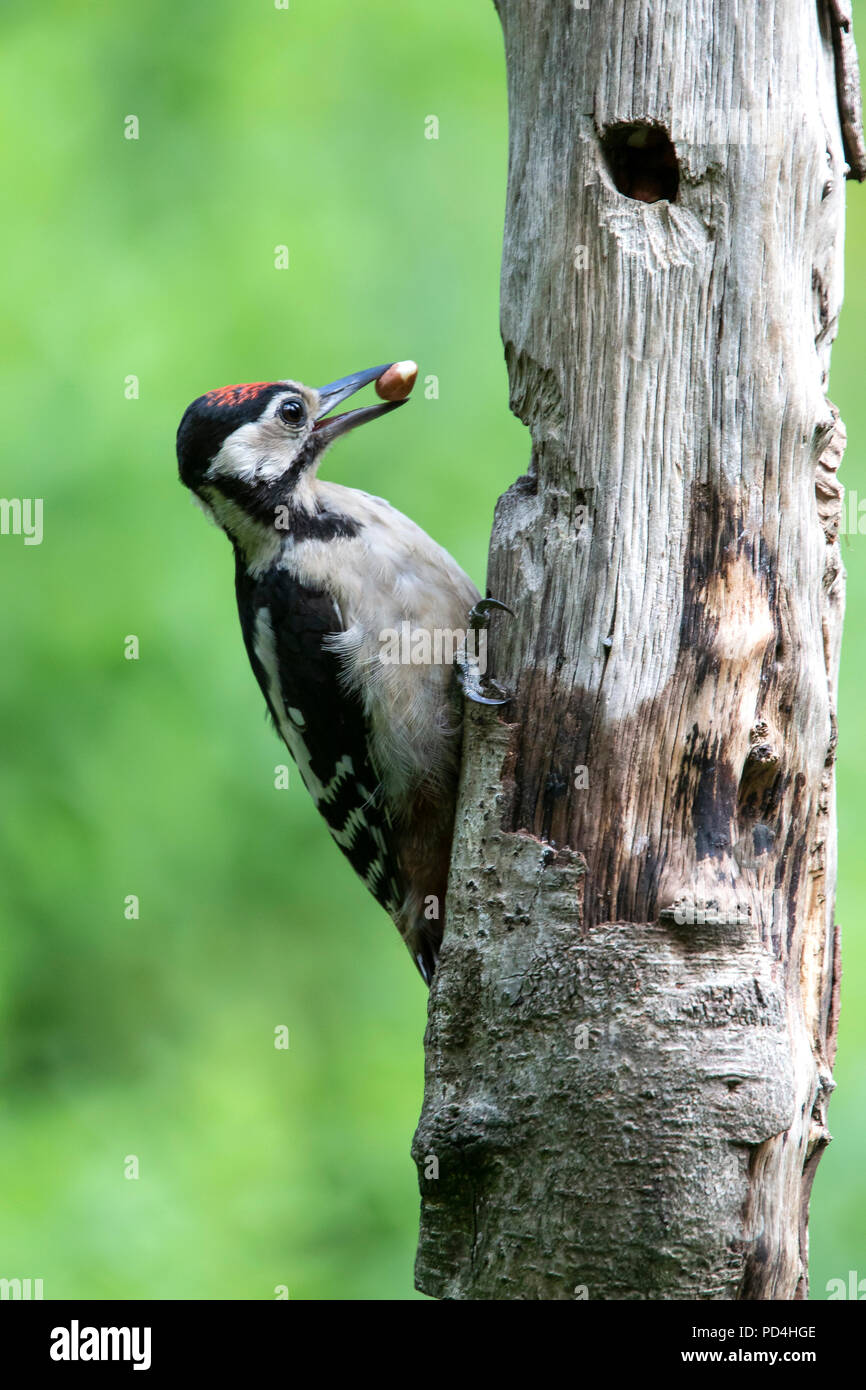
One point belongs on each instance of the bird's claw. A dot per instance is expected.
(472, 681)
(472, 690)
(479, 616)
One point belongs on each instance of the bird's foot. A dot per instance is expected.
(471, 660)
(479, 616)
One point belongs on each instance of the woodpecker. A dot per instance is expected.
(325, 577)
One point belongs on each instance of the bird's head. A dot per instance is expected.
(256, 445)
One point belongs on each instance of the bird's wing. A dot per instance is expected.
(285, 624)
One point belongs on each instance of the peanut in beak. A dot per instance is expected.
(397, 382)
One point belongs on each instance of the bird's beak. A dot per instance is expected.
(326, 431)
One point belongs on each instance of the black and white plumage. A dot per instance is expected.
(323, 574)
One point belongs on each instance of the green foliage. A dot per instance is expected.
(154, 1036)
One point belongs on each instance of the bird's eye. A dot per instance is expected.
(293, 412)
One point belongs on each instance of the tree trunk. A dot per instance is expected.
(632, 1027)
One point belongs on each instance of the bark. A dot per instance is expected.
(632, 1028)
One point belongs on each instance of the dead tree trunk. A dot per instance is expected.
(632, 1029)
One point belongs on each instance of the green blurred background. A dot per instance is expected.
(155, 258)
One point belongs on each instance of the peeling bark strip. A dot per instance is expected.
(848, 86)
(632, 1027)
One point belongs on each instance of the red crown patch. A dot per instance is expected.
(236, 395)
